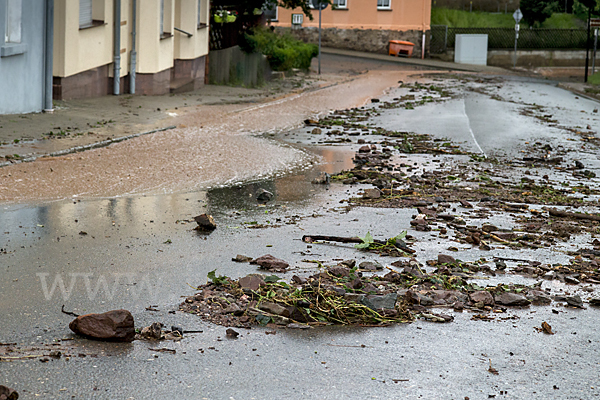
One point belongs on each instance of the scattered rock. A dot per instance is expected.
(537, 297)
(372, 194)
(316, 131)
(323, 179)
(482, 296)
(574, 301)
(242, 258)
(251, 282)
(264, 195)
(546, 328)
(365, 149)
(595, 302)
(153, 331)
(376, 302)
(274, 309)
(231, 333)
(7, 393)
(445, 259)
(370, 266)
(271, 263)
(511, 299)
(205, 222)
(116, 326)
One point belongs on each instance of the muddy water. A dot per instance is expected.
(211, 145)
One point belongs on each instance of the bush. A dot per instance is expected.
(283, 51)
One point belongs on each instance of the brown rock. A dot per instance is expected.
(511, 299)
(7, 393)
(251, 282)
(241, 258)
(445, 259)
(113, 326)
(372, 193)
(271, 263)
(274, 308)
(365, 149)
(205, 222)
(153, 331)
(482, 296)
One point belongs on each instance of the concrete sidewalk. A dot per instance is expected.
(418, 62)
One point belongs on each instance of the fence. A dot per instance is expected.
(443, 38)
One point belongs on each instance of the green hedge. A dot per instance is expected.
(283, 51)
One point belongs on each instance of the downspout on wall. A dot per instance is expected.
(117, 45)
(48, 57)
(133, 62)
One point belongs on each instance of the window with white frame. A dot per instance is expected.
(384, 4)
(270, 10)
(12, 33)
(340, 4)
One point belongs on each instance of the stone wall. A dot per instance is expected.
(369, 40)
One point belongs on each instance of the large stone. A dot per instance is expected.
(575, 301)
(378, 302)
(205, 222)
(275, 309)
(372, 194)
(482, 296)
(446, 259)
(7, 393)
(251, 282)
(271, 263)
(537, 297)
(511, 299)
(114, 326)
(264, 195)
(370, 266)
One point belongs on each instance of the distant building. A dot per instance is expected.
(364, 25)
(25, 56)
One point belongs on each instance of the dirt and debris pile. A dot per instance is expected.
(347, 293)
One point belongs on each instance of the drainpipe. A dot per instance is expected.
(117, 45)
(48, 56)
(133, 52)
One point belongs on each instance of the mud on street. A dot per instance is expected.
(440, 241)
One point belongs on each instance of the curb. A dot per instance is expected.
(91, 146)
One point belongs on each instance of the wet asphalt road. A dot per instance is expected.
(146, 258)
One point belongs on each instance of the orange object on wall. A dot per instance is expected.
(401, 48)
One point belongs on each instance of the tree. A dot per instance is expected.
(248, 6)
(535, 12)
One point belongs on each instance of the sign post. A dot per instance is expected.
(321, 6)
(517, 16)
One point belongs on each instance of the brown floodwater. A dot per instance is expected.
(211, 146)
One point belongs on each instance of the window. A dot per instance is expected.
(384, 4)
(85, 14)
(91, 13)
(340, 4)
(270, 10)
(201, 13)
(165, 28)
(13, 21)
(162, 17)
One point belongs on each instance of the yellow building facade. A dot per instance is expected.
(155, 46)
